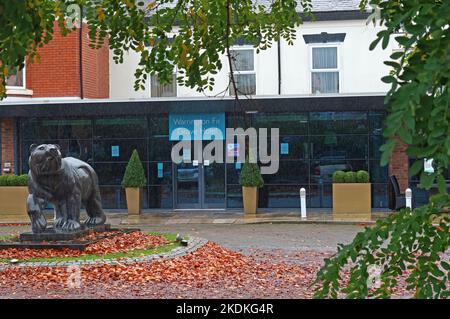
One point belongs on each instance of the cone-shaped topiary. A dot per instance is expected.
(251, 175)
(134, 173)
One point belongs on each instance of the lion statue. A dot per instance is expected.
(67, 183)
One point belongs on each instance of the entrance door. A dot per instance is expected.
(199, 185)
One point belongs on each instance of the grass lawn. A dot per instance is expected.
(129, 254)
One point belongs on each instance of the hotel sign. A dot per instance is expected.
(201, 126)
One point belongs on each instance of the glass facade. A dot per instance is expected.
(313, 145)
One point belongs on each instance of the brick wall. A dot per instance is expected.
(399, 164)
(7, 136)
(58, 73)
(95, 69)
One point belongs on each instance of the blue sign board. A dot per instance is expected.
(196, 126)
(160, 169)
(284, 148)
(115, 151)
(238, 165)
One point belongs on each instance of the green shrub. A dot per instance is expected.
(339, 177)
(134, 173)
(350, 177)
(14, 180)
(3, 180)
(251, 175)
(362, 177)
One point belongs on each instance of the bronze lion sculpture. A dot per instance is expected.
(67, 183)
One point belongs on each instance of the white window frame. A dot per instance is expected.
(23, 87)
(336, 45)
(175, 82)
(241, 48)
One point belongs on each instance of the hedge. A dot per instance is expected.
(351, 177)
(14, 180)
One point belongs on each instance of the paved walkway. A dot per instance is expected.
(159, 217)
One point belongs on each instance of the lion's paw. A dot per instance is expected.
(94, 221)
(59, 222)
(38, 221)
(70, 226)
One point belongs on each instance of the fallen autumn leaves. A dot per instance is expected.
(115, 244)
(209, 272)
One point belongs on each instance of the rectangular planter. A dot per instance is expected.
(13, 200)
(352, 201)
(133, 200)
(250, 198)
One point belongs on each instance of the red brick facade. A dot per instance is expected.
(95, 70)
(7, 142)
(58, 72)
(399, 164)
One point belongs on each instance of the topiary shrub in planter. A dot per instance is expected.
(352, 196)
(133, 181)
(13, 194)
(250, 181)
(339, 177)
(362, 177)
(350, 177)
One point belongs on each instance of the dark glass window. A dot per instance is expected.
(119, 150)
(297, 147)
(160, 177)
(378, 174)
(112, 173)
(283, 195)
(322, 171)
(120, 127)
(113, 197)
(159, 149)
(289, 172)
(339, 147)
(160, 196)
(320, 195)
(289, 124)
(325, 123)
(158, 125)
(57, 129)
(376, 122)
(234, 196)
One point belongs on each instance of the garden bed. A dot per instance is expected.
(106, 245)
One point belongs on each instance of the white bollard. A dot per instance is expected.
(408, 195)
(303, 202)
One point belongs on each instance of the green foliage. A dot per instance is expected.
(338, 177)
(350, 177)
(134, 173)
(362, 177)
(419, 99)
(251, 175)
(205, 30)
(14, 180)
(407, 244)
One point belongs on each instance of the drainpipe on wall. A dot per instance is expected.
(279, 66)
(81, 53)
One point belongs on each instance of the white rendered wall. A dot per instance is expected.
(360, 69)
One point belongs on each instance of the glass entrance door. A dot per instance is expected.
(199, 185)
